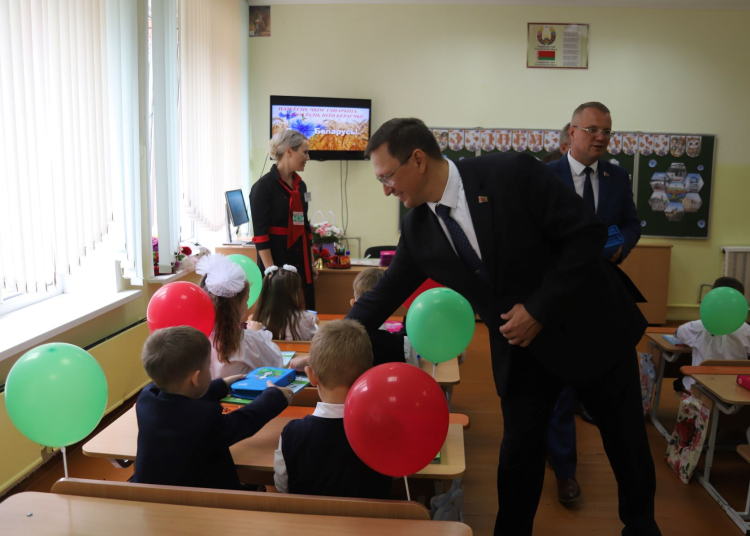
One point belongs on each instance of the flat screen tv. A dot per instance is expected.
(337, 129)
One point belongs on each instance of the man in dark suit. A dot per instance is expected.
(607, 190)
(526, 253)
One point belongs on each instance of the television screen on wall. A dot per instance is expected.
(337, 129)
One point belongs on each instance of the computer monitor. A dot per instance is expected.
(237, 208)
(236, 213)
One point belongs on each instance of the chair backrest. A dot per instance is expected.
(242, 500)
(374, 252)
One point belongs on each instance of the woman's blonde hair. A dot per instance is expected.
(284, 140)
(280, 304)
(228, 332)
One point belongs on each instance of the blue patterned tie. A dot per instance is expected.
(588, 189)
(463, 247)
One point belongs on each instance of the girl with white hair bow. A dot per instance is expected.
(234, 349)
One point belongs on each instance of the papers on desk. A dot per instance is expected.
(671, 339)
(287, 357)
(364, 262)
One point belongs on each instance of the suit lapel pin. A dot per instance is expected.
(606, 174)
(483, 199)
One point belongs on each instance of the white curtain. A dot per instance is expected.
(69, 136)
(165, 143)
(213, 129)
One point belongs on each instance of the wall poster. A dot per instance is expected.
(557, 45)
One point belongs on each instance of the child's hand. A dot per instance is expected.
(299, 363)
(255, 326)
(229, 380)
(288, 394)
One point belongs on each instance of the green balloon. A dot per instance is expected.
(440, 324)
(56, 394)
(252, 272)
(723, 311)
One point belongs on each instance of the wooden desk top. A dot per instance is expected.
(725, 388)
(119, 440)
(54, 515)
(664, 344)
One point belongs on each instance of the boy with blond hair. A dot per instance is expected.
(386, 347)
(314, 456)
(183, 436)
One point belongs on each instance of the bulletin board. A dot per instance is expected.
(675, 178)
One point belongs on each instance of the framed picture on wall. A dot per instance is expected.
(557, 45)
(260, 21)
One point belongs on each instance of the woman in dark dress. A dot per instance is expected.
(278, 203)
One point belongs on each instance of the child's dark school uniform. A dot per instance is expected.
(185, 442)
(315, 458)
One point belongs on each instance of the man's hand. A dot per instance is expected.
(231, 379)
(520, 328)
(616, 256)
(288, 394)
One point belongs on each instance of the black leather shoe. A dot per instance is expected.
(568, 490)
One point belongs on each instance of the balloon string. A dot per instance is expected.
(406, 483)
(65, 462)
(434, 365)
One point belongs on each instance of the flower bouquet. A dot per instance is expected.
(178, 256)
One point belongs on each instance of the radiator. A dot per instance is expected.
(737, 265)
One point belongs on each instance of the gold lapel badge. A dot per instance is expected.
(483, 199)
(606, 174)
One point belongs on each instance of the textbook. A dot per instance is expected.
(673, 340)
(255, 382)
(231, 403)
(287, 357)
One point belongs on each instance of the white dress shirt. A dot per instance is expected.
(280, 475)
(579, 177)
(454, 197)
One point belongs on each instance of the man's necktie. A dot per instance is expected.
(588, 189)
(463, 247)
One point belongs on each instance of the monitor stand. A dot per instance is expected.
(229, 241)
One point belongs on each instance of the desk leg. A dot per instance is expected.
(711, 443)
(657, 395)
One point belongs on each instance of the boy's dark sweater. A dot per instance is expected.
(185, 442)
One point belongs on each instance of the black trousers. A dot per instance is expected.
(614, 400)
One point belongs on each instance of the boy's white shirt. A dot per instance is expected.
(705, 346)
(280, 475)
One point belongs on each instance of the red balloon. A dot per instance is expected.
(181, 304)
(396, 419)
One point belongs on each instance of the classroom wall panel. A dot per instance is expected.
(464, 66)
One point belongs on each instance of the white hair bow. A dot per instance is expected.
(223, 277)
(270, 270)
(290, 268)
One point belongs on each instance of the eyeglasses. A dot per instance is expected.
(607, 133)
(387, 180)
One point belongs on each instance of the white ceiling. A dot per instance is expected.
(653, 4)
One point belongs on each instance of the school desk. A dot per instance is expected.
(253, 455)
(446, 373)
(669, 352)
(52, 515)
(729, 398)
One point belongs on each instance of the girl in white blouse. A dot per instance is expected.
(281, 306)
(234, 349)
